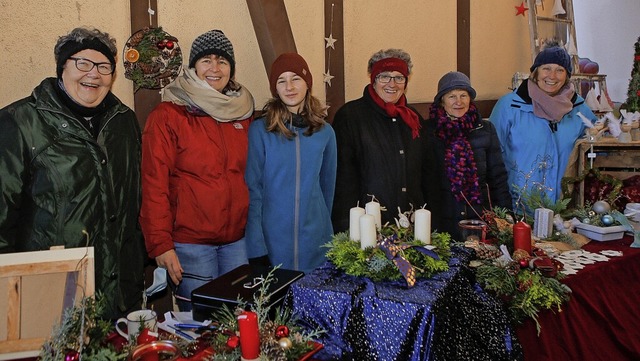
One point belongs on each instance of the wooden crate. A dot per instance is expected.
(620, 160)
(35, 288)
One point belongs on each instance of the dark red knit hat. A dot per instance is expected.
(289, 62)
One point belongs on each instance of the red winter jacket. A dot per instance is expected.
(193, 188)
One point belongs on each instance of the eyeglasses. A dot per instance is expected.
(399, 79)
(87, 65)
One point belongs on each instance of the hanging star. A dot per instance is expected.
(328, 77)
(330, 41)
(521, 9)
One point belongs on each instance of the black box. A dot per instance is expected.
(242, 282)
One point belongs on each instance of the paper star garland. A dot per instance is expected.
(330, 41)
(521, 9)
(328, 77)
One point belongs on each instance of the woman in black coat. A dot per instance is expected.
(468, 158)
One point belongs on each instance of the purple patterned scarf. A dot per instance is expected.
(460, 164)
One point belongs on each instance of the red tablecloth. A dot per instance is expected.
(602, 319)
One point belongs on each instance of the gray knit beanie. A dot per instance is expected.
(451, 81)
(212, 42)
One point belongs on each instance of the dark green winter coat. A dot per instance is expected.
(57, 180)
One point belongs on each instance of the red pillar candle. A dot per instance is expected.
(249, 335)
(522, 236)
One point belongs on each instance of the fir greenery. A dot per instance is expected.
(525, 291)
(633, 94)
(226, 318)
(81, 331)
(372, 262)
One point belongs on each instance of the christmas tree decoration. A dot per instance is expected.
(152, 58)
(633, 94)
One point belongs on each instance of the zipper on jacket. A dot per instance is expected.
(296, 211)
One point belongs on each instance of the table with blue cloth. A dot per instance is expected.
(445, 317)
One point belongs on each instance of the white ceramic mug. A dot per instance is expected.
(134, 321)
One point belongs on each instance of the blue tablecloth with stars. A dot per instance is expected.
(445, 317)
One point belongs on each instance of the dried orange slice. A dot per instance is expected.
(132, 55)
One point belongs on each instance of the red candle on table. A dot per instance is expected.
(249, 335)
(522, 236)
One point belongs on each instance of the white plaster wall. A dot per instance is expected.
(426, 29)
(607, 31)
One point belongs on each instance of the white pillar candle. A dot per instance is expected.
(367, 231)
(354, 223)
(422, 227)
(373, 208)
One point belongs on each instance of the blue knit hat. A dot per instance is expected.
(553, 55)
(451, 81)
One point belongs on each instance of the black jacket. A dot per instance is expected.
(376, 156)
(492, 178)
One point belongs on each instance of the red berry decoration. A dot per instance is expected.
(282, 331)
(72, 355)
(161, 45)
(169, 44)
(233, 342)
(524, 263)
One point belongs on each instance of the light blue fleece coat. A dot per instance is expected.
(536, 156)
(291, 187)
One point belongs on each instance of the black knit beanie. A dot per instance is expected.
(212, 42)
(71, 47)
(553, 55)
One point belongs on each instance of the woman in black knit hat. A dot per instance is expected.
(538, 125)
(194, 197)
(70, 169)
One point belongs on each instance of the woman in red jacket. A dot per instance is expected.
(194, 198)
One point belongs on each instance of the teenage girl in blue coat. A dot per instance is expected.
(291, 172)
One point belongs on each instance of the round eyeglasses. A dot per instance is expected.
(399, 79)
(87, 65)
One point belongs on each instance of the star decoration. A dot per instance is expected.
(330, 41)
(328, 77)
(521, 9)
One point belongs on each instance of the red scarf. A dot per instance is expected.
(398, 109)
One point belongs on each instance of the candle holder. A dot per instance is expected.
(473, 230)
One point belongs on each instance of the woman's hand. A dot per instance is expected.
(169, 261)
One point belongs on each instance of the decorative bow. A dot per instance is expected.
(393, 252)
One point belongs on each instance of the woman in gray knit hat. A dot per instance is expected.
(194, 197)
(469, 165)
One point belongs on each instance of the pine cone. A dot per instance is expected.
(272, 351)
(136, 38)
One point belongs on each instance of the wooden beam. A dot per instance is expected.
(273, 30)
(334, 56)
(144, 99)
(463, 37)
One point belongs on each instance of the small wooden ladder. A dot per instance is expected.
(554, 19)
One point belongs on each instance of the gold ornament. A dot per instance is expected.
(285, 343)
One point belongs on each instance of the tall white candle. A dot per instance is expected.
(367, 231)
(354, 223)
(373, 208)
(422, 227)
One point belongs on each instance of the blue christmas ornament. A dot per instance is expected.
(607, 220)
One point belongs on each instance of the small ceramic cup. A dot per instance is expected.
(135, 321)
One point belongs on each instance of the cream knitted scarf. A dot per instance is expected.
(190, 91)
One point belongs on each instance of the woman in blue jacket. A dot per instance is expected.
(538, 125)
(291, 172)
